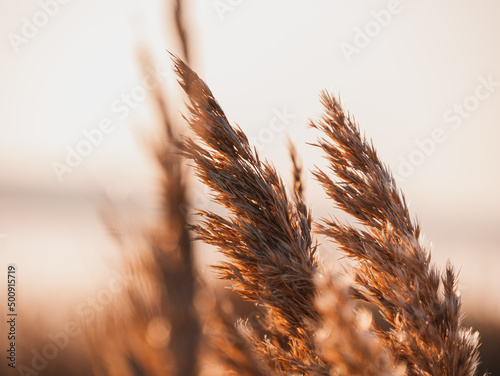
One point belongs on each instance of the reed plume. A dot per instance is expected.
(267, 236)
(393, 268)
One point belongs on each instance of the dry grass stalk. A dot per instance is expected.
(266, 238)
(173, 252)
(393, 268)
(170, 242)
(167, 263)
(165, 268)
(181, 29)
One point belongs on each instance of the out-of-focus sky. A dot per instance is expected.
(409, 71)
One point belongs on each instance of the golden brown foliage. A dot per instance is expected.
(393, 268)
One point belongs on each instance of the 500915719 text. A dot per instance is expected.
(11, 316)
